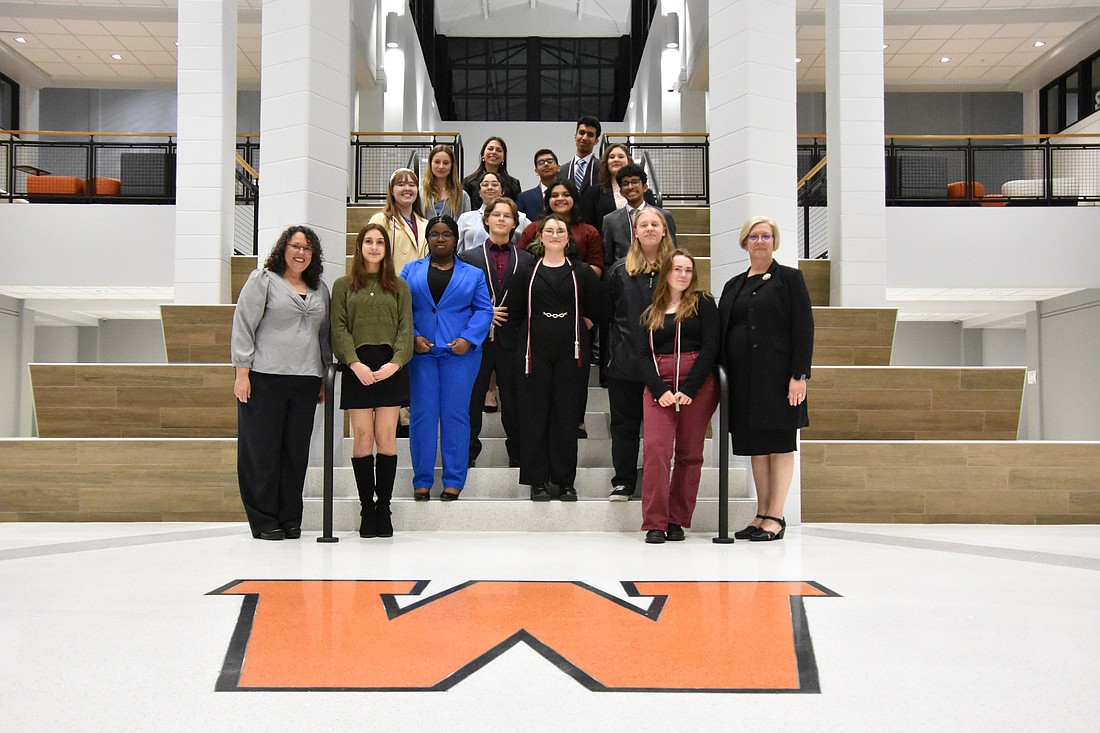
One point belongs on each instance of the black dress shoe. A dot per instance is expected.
(763, 535)
(273, 534)
(567, 493)
(654, 537)
(292, 533)
(449, 495)
(748, 531)
(675, 533)
(539, 493)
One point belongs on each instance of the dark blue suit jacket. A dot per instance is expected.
(464, 310)
(530, 202)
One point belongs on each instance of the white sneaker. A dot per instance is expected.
(620, 493)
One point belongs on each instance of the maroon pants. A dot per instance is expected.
(670, 498)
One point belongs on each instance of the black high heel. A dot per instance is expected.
(748, 531)
(763, 535)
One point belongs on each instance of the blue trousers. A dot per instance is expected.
(440, 387)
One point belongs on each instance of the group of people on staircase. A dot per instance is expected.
(433, 309)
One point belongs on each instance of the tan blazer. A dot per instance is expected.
(406, 248)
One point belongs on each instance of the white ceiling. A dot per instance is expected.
(989, 42)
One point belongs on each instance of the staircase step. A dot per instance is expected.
(482, 515)
(591, 453)
(503, 483)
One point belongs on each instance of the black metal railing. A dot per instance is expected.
(246, 209)
(378, 154)
(100, 167)
(680, 160)
(813, 220)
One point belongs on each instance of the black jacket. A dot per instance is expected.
(511, 291)
(629, 297)
(781, 336)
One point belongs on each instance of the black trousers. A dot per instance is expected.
(503, 361)
(273, 432)
(625, 400)
(551, 396)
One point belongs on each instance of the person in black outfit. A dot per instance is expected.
(631, 282)
(507, 272)
(563, 301)
(494, 159)
(767, 325)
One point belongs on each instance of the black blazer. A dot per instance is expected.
(591, 175)
(511, 291)
(597, 202)
(782, 343)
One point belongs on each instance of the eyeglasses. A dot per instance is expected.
(759, 238)
(630, 182)
(545, 161)
(436, 236)
(300, 249)
(500, 215)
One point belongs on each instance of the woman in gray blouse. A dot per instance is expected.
(280, 349)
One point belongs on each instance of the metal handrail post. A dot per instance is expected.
(326, 495)
(723, 537)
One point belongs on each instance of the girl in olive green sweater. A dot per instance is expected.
(372, 334)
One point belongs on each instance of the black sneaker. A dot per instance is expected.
(654, 537)
(539, 493)
(675, 533)
(567, 493)
(620, 493)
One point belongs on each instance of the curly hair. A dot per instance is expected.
(276, 261)
(574, 213)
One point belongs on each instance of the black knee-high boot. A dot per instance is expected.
(364, 482)
(385, 471)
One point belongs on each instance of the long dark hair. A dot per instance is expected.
(276, 261)
(386, 275)
(502, 172)
(574, 213)
(654, 316)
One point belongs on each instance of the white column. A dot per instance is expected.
(304, 123)
(753, 126)
(207, 128)
(753, 144)
(855, 138)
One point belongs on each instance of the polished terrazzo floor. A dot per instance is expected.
(165, 627)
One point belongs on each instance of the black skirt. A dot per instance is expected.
(392, 392)
(763, 441)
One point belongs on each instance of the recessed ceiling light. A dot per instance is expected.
(116, 56)
(1037, 44)
(798, 59)
(20, 39)
(944, 59)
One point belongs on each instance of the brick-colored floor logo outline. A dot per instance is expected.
(711, 636)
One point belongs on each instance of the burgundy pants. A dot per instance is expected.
(674, 438)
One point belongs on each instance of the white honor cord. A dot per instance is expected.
(653, 353)
(576, 317)
(492, 289)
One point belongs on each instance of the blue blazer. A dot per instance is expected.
(464, 310)
(530, 202)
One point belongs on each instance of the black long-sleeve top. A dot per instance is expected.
(698, 333)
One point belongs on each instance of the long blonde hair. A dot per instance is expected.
(635, 261)
(454, 184)
(390, 209)
(653, 317)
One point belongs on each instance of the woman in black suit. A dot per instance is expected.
(768, 329)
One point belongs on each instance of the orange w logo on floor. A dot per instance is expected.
(731, 636)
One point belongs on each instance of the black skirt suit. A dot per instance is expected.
(767, 328)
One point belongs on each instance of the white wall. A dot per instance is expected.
(975, 247)
(927, 343)
(131, 342)
(128, 110)
(1069, 335)
(89, 244)
(56, 344)
(12, 366)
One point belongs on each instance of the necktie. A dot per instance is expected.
(578, 173)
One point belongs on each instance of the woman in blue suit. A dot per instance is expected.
(451, 317)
